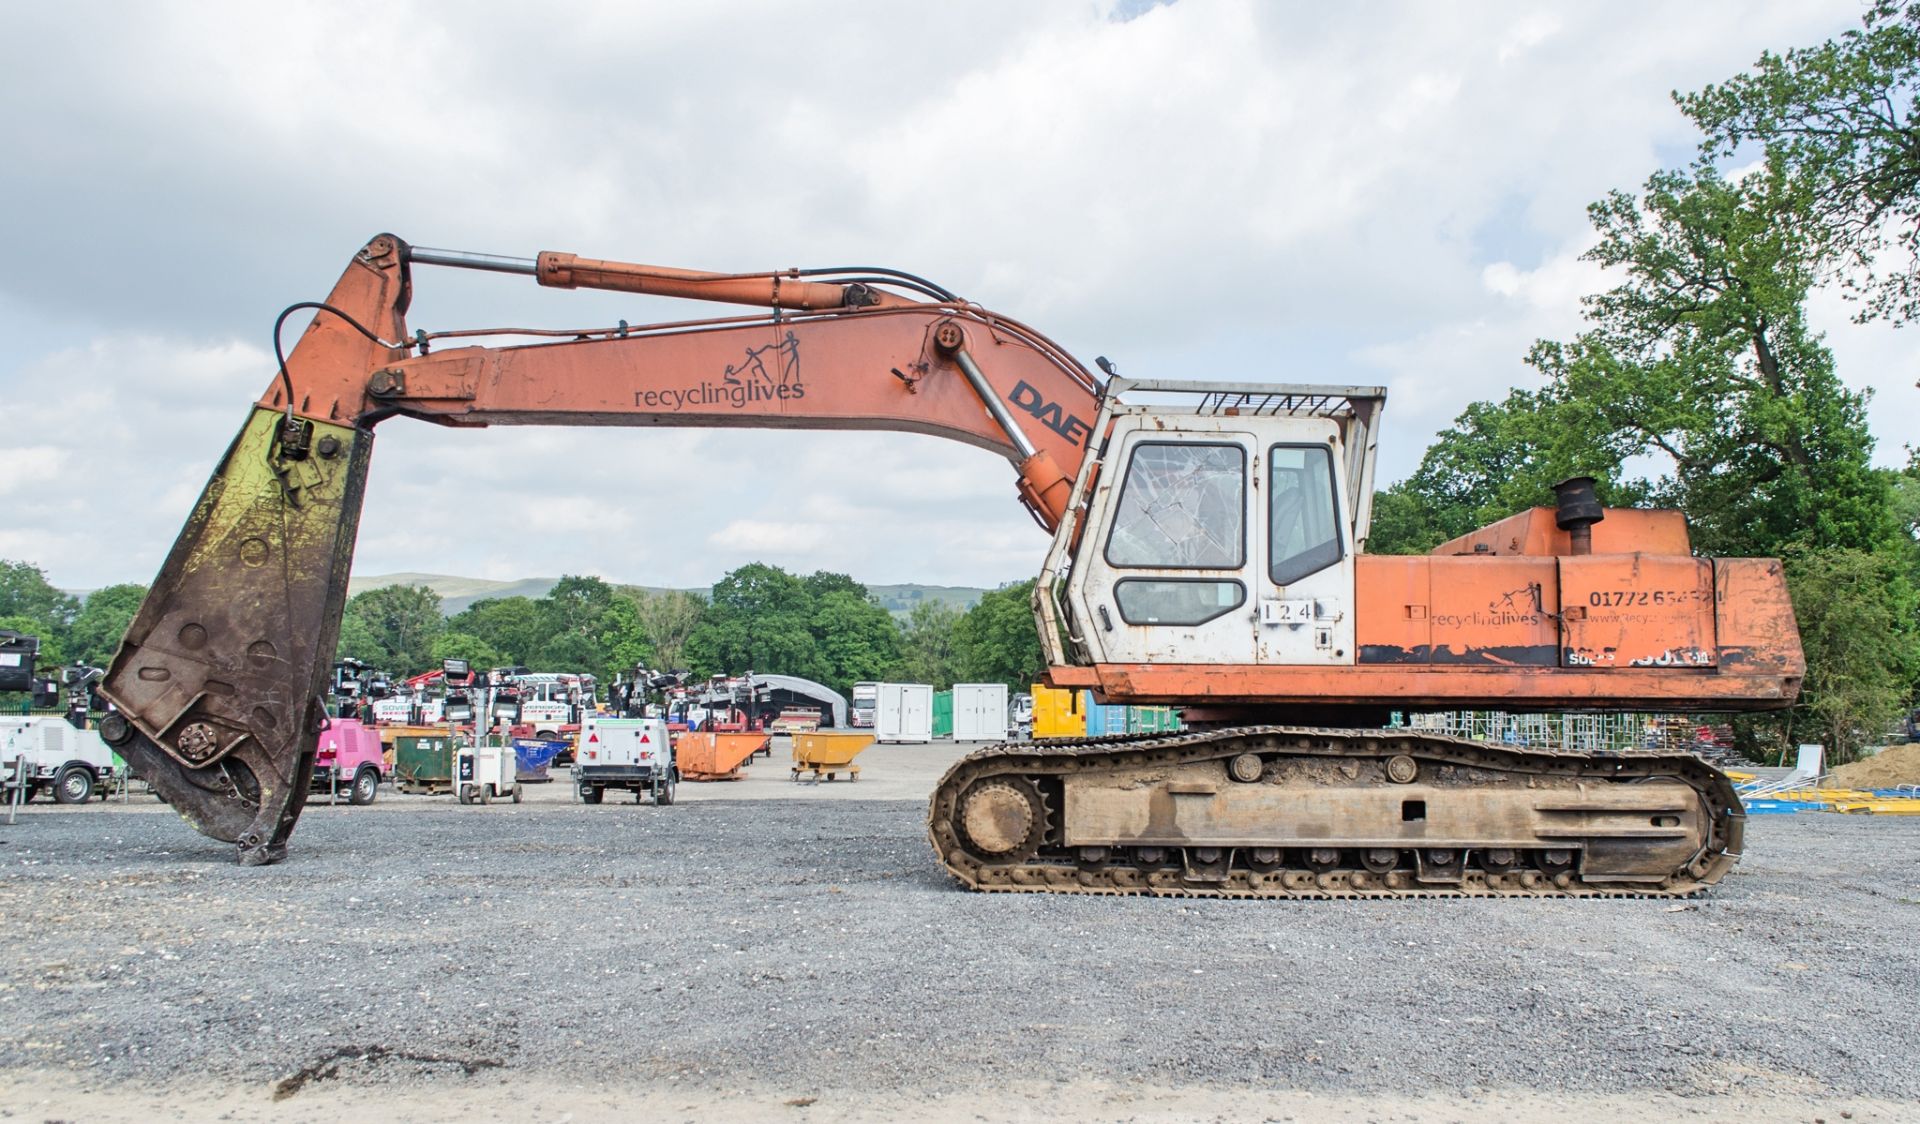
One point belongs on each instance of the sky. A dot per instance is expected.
(1387, 194)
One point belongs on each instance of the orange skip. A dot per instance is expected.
(707, 756)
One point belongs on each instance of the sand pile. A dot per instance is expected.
(1894, 765)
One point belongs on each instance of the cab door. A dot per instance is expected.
(1166, 570)
(1306, 591)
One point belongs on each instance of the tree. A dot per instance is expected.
(823, 627)
(1904, 489)
(856, 639)
(103, 621)
(759, 619)
(575, 605)
(996, 641)
(514, 627)
(665, 620)
(358, 642)
(1498, 458)
(400, 622)
(822, 582)
(581, 627)
(25, 592)
(622, 640)
(1857, 613)
(466, 646)
(1702, 357)
(929, 644)
(1838, 123)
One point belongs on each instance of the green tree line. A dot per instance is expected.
(822, 626)
(71, 629)
(1700, 361)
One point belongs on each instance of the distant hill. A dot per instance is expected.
(901, 599)
(456, 593)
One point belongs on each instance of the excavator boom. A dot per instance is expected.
(1206, 551)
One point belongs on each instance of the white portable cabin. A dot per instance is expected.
(979, 712)
(903, 713)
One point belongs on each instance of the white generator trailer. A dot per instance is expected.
(631, 754)
(72, 765)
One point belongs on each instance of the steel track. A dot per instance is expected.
(1053, 869)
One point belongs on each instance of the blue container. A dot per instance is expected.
(532, 757)
(1103, 718)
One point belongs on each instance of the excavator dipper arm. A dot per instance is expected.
(219, 684)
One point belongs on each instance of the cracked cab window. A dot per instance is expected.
(1302, 522)
(1182, 507)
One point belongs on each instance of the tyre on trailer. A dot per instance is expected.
(366, 784)
(486, 793)
(74, 785)
(663, 794)
(592, 795)
(516, 792)
(466, 794)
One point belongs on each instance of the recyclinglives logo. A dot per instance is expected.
(766, 374)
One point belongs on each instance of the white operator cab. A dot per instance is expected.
(1220, 529)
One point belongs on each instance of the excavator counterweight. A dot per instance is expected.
(1207, 551)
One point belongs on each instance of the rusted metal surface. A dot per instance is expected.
(220, 680)
(1637, 610)
(1332, 813)
(1535, 532)
(704, 755)
(772, 289)
(828, 754)
(831, 371)
(1771, 682)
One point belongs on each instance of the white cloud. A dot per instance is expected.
(775, 539)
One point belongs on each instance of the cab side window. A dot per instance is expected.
(1303, 520)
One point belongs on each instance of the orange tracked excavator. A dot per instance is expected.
(1207, 551)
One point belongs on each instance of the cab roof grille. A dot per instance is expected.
(1261, 399)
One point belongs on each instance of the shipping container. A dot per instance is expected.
(904, 713)
(979, 712)
(1153, 720)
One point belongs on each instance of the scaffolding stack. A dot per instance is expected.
(1566, 733)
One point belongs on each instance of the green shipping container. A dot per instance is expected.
(423, 763)
(943, 714)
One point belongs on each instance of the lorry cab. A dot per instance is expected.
(1223, 532)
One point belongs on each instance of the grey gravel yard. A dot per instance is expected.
(811, 952)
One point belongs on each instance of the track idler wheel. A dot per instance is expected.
(1003, 820)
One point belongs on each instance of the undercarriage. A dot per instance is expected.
(1303, 812)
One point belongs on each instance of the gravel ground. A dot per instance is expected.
(812, 946)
